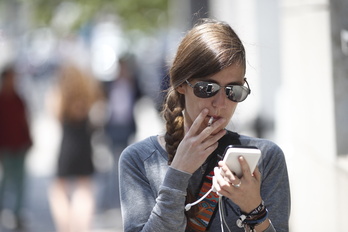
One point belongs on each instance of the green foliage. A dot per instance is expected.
(144, 15)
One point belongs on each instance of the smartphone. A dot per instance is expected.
(251, 155)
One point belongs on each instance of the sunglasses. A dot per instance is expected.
(205, 89)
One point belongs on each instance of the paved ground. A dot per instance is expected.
(37, 217)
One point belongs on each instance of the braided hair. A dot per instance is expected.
(209, 47)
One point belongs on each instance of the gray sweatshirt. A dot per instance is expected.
(153, 194)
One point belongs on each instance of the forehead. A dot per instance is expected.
(232, 74)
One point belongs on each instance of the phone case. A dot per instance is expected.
(251, 155)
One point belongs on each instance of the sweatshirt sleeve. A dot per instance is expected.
(275, 189)
(145, 208)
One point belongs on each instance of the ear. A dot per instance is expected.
(181, 89)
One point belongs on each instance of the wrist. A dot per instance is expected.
(256, 210)
(256, 218)
(252, 205)
(263, 226)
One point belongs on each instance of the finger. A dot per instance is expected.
(245, 167)
(218, 173)
(212, 139)
(227, 173)
(213, 130)
(198, 122)
(222, 186)
(216, 125)
(206, 138)
(216, 176)
(210, 149)
(223, 167)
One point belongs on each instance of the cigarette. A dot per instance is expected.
(210, 121)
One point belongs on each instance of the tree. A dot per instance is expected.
(144, 15)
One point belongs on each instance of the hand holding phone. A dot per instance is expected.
(250, 154)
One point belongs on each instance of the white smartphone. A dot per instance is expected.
(251, 155)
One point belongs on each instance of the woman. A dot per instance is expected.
(71, 193)
(161, 174)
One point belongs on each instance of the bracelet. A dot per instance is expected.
(257, 210)
(254, 218)
(244, 220)
(257, 221)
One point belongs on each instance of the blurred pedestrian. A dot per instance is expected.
(123, 93)
(15, 141)
(72, 194)
(120, 126)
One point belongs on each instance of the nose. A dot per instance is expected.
(219, 100)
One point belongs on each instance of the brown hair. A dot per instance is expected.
(78, 92)
(209, 47)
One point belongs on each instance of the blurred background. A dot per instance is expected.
(297, 67)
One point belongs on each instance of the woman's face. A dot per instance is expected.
(219, 105)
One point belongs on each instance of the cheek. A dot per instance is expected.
(193, 107)
(231, 110)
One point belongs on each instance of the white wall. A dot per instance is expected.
(305, 120)
(300, 82)
(306, 104)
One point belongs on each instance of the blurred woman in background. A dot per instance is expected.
(71, 194)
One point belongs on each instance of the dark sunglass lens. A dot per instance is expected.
(236, 93)
(205, 89)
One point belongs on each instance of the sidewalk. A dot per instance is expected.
(37, 217)
(319, 191)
